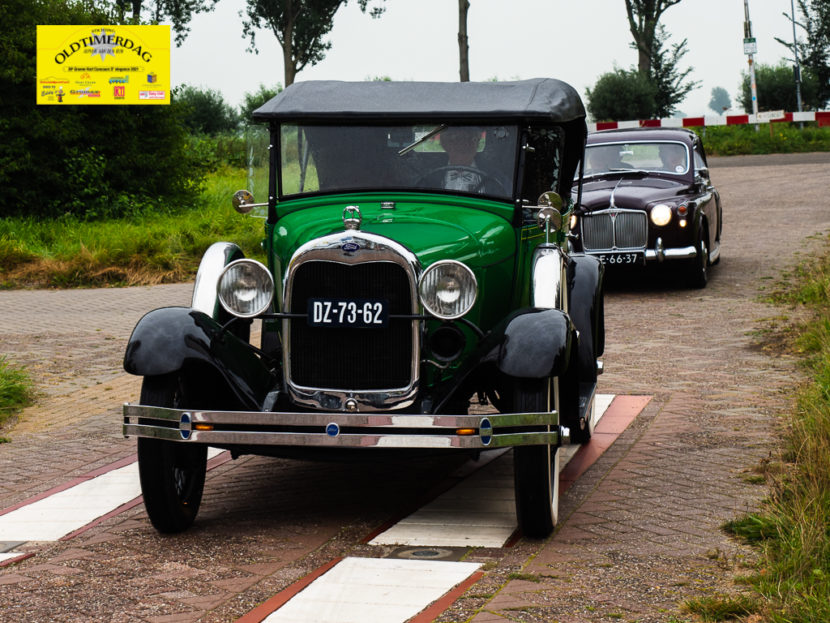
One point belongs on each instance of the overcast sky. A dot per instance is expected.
(509, 39)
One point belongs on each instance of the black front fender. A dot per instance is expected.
(531, 343)
(173, 339)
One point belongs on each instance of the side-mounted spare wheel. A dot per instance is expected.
(172, 474)
(536, 468)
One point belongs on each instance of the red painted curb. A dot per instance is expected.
(71, 483)
(261, 612)
(17, 559)
(216, 461)
(431, 612)
(620, 413)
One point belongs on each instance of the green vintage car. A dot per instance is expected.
(416, 237)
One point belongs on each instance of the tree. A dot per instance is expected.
(622, 94)
(643, 19)
(179, 12)
(814, 53)
(299, 26)
(775, 88)
(204, 110)
(720, 100)
(91, 161)
(669, 81)
(255, 100)
(463, 42)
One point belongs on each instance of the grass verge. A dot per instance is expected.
(771, 138)
(147, 248)
(16, 391)
(793, 530)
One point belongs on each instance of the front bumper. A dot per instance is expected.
(660, 253)
(344, 430)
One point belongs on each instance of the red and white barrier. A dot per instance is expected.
(822, 117)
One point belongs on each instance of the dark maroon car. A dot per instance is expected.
(647, 197)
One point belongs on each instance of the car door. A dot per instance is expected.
(710, 199)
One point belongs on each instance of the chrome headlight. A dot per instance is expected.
(448, 289)
(661, 214)
(245, 288)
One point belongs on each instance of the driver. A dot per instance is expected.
(461, 145)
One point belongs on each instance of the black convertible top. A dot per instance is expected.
(541, 99)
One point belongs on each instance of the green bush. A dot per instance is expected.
(622, 94)
(775, 85)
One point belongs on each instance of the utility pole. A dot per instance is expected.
(750, 49)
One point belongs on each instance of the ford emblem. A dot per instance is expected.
(332, 429)
(350, 247)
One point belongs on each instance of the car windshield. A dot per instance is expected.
(654, 156)
(441, 157)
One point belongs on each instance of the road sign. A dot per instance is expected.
(750, 46)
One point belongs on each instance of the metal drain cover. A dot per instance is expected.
(429, 553)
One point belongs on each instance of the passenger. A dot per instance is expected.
(673, 158)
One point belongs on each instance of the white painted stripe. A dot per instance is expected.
(9, 555)
(675, 122)
(478, 512)
(380, 590)
(625, 125)
(60, 514)
(601, 404)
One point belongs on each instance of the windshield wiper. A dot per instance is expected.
(425, 137)
(617, 171)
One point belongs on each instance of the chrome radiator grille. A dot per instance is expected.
(349, 358)
(614, 229)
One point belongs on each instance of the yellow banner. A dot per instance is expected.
(103, 65)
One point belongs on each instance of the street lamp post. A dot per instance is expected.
(750, 49)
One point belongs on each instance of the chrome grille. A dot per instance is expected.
(347, 358)
(614, 230)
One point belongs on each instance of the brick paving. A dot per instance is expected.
(643, 534)
(641, 530)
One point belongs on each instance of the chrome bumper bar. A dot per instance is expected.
(344, 430)
(660, 253)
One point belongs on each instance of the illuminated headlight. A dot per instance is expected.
(448, 289)
(245, 288)
(572, 223)
(661, 214)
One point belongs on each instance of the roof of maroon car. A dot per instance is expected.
(642, 134)
(543, 99)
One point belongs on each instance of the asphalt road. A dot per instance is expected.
(641, 529)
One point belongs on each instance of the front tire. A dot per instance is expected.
(699, 266)
(536, 468)
(172, 474)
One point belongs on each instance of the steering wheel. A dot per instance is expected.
(483, 176)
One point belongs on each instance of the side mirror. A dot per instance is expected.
(549, 216)
(702, 177)
(243, 201)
